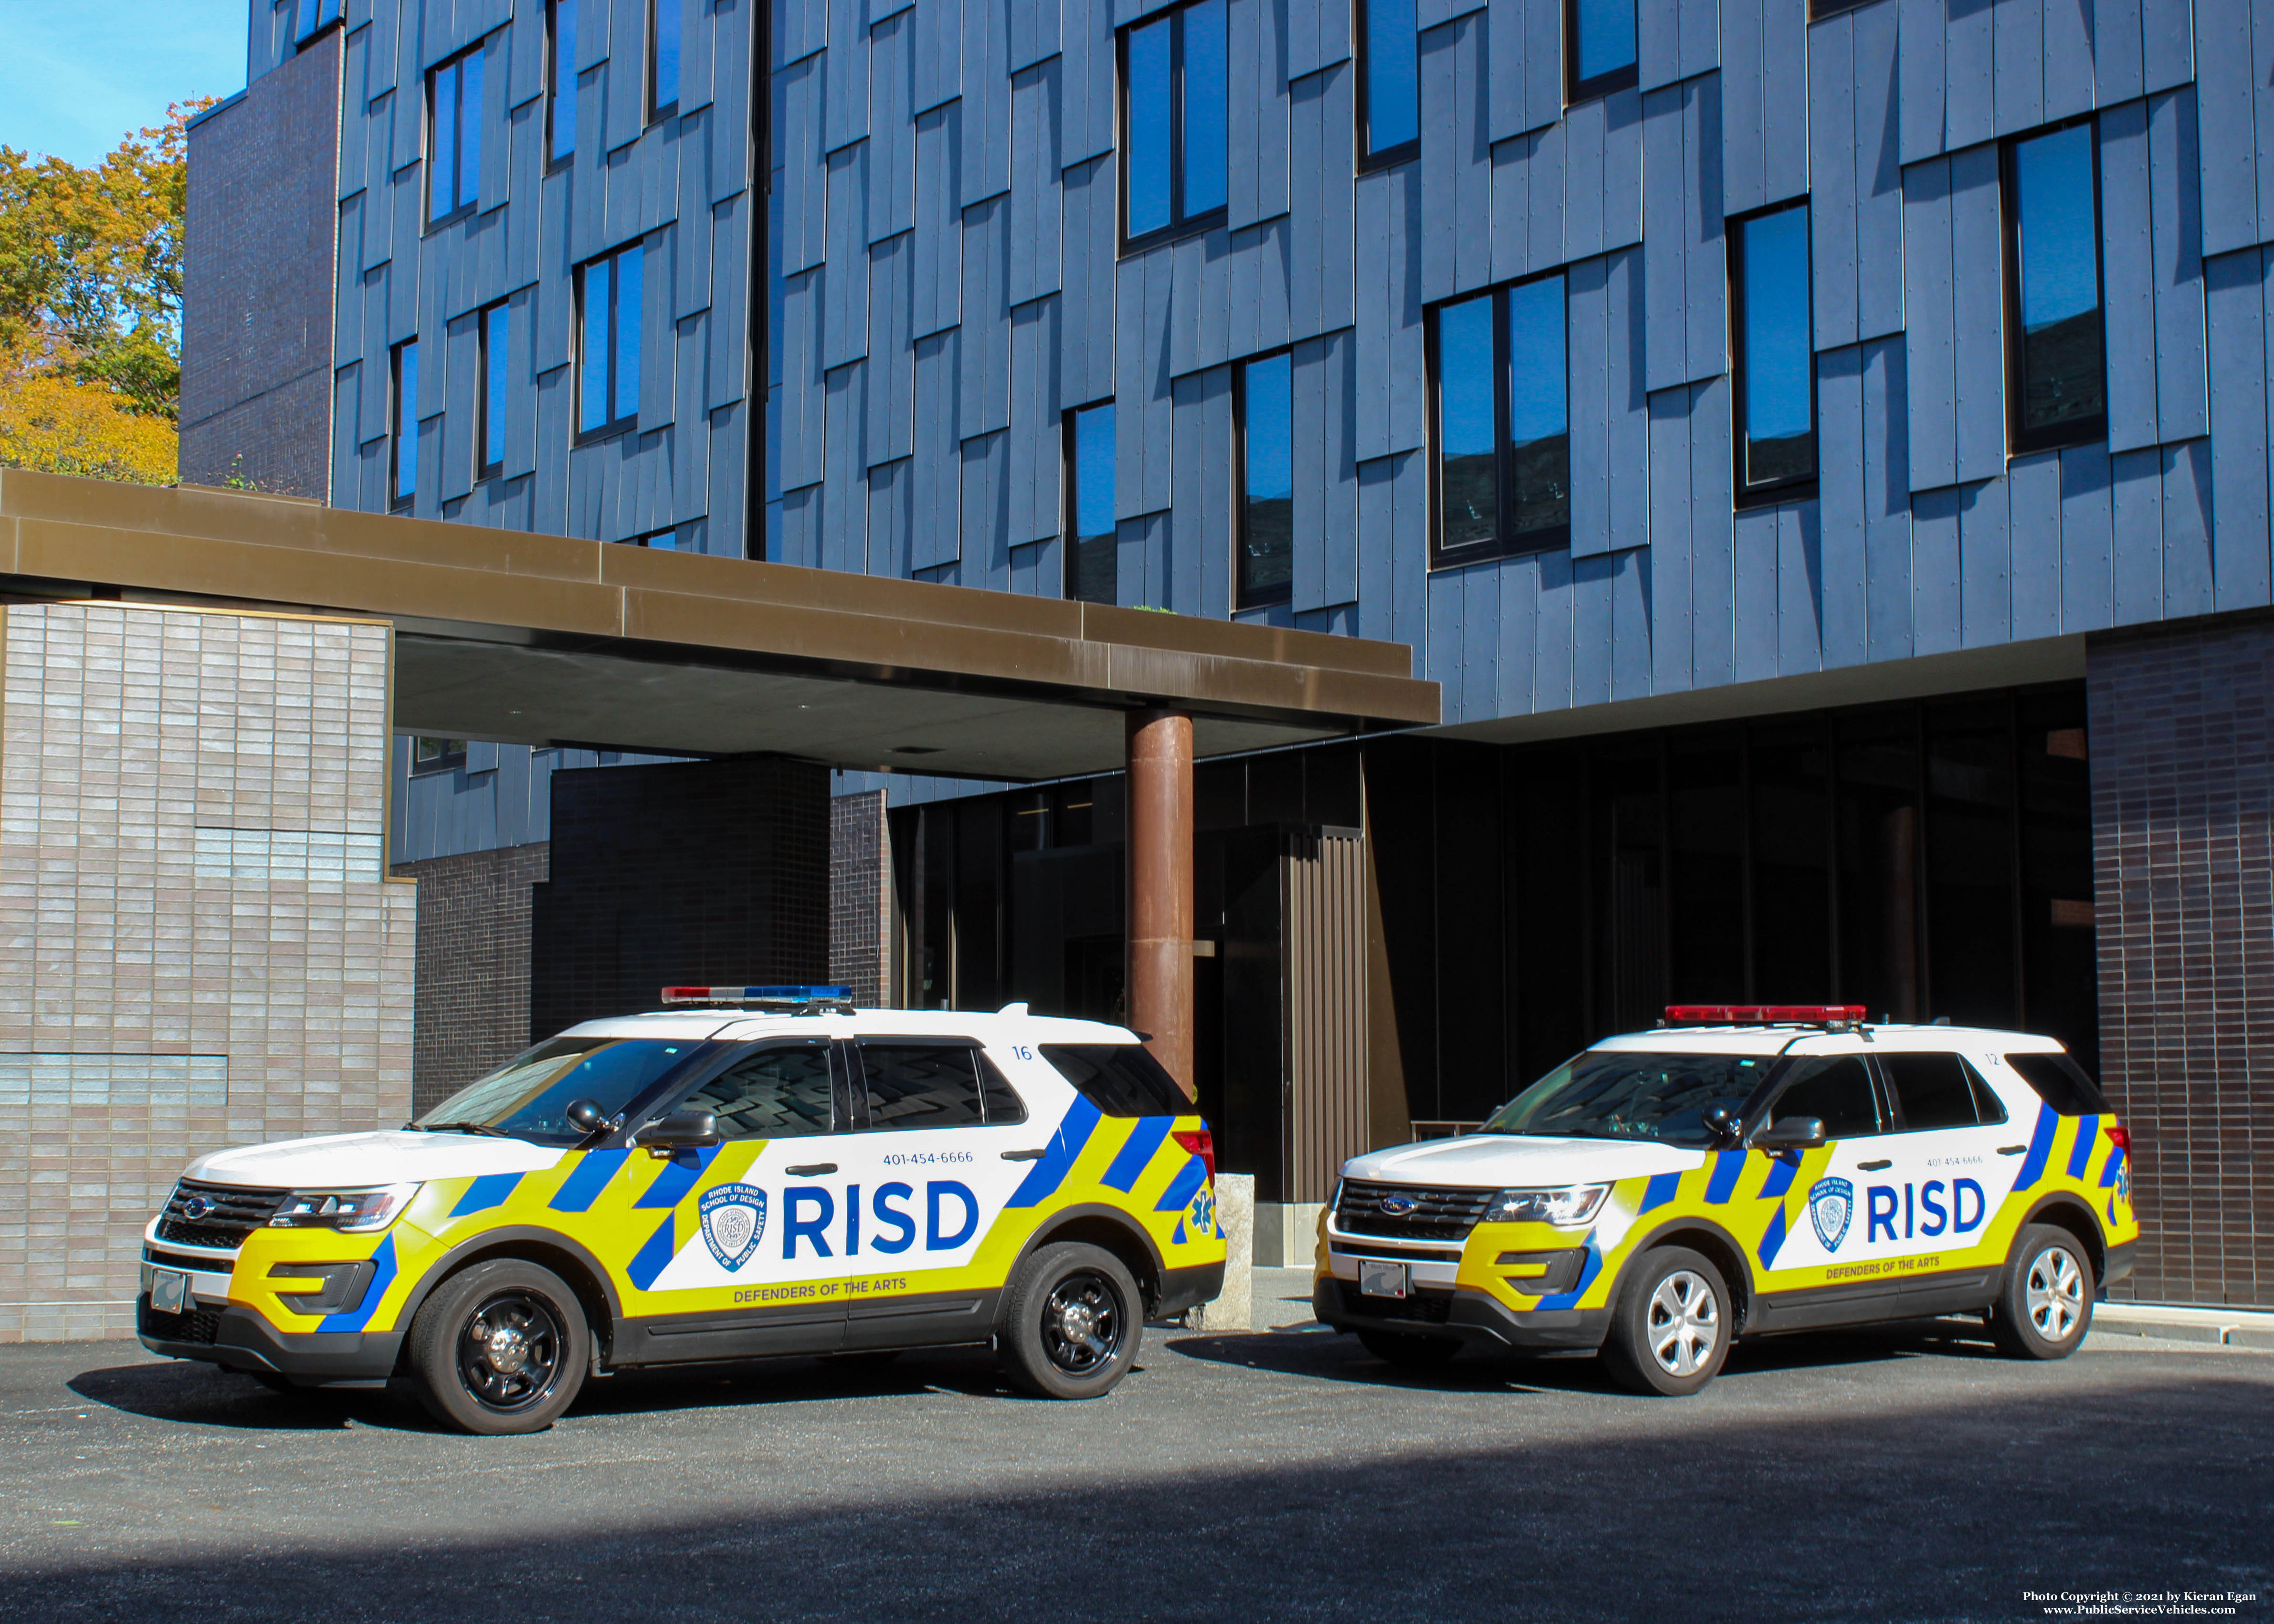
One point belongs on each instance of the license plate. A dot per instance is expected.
(170, 1291)
(1380, 1279)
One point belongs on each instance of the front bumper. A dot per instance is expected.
(232, 1335)
(1471, 1317)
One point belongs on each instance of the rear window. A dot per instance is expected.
(2060, 1083)
(1121, 1079)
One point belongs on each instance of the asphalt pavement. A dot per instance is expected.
(1279, 1474)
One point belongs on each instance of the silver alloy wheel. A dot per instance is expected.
(1684, 1323)
(2054, 1293)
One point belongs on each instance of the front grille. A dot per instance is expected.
(230, 1213)
(185, 1260)
(1436, 1215)
(1429, 1307)
(201, 1325)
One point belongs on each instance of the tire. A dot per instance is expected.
(469, 1379)
(1072, 1322)
(1408, 1352)
(1671, 1331)
(2045, 1306)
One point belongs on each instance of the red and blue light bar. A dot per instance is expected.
(1763, 1014)
(754, 995)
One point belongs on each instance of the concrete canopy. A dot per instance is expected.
(530, 639)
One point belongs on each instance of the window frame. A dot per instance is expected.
(1577, 90)
(1179, 226)
(401, 418)
(2021, 441)
(1368, 159)
(1243, 596)
(1069, 502)
(658, 111)
(1504, 544)
(555, 159)
(629, 422)
(857, 1068)
(464, 206)
(1743, 495)
(445, 760)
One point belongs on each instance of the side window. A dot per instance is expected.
(1934, 1091)
(1001, 1100)
(776, 1093)
(921, 1085)
(1770, 325)
(2060, 1083)
(1121, 1079)
(1837, 1090)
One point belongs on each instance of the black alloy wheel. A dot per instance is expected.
(501, 1346)
(1072, 1321)
(509, 1352)
(1082, 1323)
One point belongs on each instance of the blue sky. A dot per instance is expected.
(76, 76)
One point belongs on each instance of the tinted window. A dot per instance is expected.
(1389, 87)
(1002, 1100)
(663, 58)
(1933, 1090)
(1776, 362)
(1634, 1095)
(403, 427)
(496, 345)
(1121, 1079)
(2061, 1083)
(561, 109)
(608, 341)
(921, 1086)
(1090, 564)
(1174, 120)
(529, 1096)
(1599, 57)
(1838, 1091)
(1267, 523)
(2058, 358)
(776, 1093)
(1503, 440)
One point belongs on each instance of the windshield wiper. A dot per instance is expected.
(465, 1127)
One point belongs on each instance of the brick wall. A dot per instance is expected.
(704, 873)
(198, 946)
(2182, 753)
(473, 965)
(260, 230)
(859, 896)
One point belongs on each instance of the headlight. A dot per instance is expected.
(1572, 1205)
(351, 1210)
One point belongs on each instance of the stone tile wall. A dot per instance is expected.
(859, 896)
(198, 945)
(2182, 751)
(473, 965)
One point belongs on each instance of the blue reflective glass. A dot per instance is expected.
(406, 421)
(2062, 344)
(665, 53)
(496, 347)
(1778, 379)
(592, 385)
(1266, 542)
(470, 130)
(1468, 492)
(1607, 36)
(628, 332)
(1206, 179)
(1093, 471)
(1151, 126)
(563, 112)
(1539, 493)
(1393, 102)
(442, 159)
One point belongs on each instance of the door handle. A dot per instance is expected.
(2011, 1150)
(812, 1167)
(1024, 1156)
(1864, 1166)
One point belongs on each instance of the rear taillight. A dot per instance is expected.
(2120, 1136)
(1199, 1142)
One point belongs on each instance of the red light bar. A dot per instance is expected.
(1763, 1014)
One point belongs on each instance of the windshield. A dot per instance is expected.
(529, 1096)
(1629, 1095)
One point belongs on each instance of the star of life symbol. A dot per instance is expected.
(734, 1220)
(1202, 1216)
(1831, 1203)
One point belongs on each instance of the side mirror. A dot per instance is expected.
(1793, 1133)
(681, 1130)
(585, 1115)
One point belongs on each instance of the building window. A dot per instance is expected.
(561, 83)
(496, 348)
(2056, 350)
(1263, 407)
(1389, 84)
(662, 58)
(662, 541)
(1769, 308)
(454, 137)
(1174, 165)
(1599, 47)
(608, 344)
(310, 17)
(1501, 426)
(1091, 573)
(437, 755)
(403, 425)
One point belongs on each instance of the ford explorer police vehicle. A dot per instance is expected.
(1738, 1171)
(754, 1170)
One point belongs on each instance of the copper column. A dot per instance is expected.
(1160, 885)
